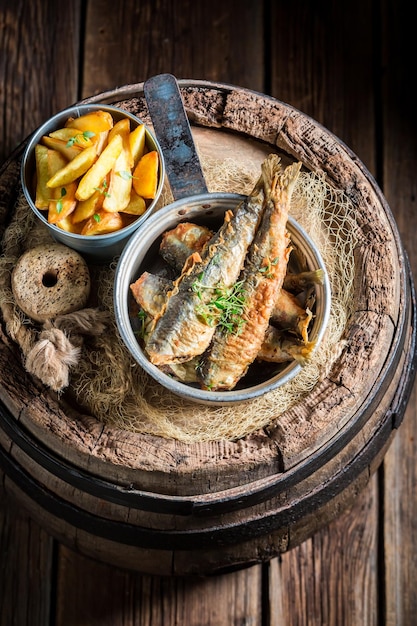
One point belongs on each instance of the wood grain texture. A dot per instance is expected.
(39, 65)
(227, 599)
(397, 165)
(336, 406)
(128, 42)
(330, 578)
(26, 569)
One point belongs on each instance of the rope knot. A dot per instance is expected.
(51, 357)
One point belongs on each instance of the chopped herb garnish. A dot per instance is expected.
(80, 138)
(267, 269)
(125, 175)
(59, 204)
(142, 318)
(102, 189)
(225, 308)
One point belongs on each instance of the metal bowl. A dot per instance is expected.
(141, 253)
(96, 248)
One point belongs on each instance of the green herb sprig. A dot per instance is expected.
(103, 189)
(225, 308)
(79, 138)
(59, 203)
(267, 269)
(143, 319)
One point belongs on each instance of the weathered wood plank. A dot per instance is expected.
(200, 40)
(39, 43)
(330, 578)
(127, 42)
(143, 600)
(321, 63)
(322, 580)
(398, 166)
(26, 567)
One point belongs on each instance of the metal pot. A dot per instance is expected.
(141, 252)
(97, 248)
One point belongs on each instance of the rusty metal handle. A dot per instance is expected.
(173, 132)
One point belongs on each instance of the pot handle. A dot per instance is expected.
(173, 132)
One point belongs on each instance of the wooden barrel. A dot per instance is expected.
(161, 506)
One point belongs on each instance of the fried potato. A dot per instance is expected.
(93, 177)
(74, 169)
(145, 175)
(42, 176)
(120, 185)
(88, 174)
(87, 208)
(74, 136)
(69, 152)
(122, 128)
(102, 222)
(100, 141)
(136, 206)
(96, 122)
(61, 200)
(137, 143)
(63, 203)
(68, 225)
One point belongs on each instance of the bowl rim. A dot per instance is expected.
(34, 139)
(123, 278)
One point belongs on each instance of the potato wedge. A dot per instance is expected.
(98, 172)
(122, 128)
(120, 185)
(102, 222)
(43, 194)
(137, 143)
(69, 152)
(56, 161)
(145, 175)
(63, 203)
(68, 225)
(95, 122)
(100, 141)
(74, 169)
(87, 208)
(137, 204)
(74, 136)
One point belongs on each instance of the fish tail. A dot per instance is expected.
(279, 184)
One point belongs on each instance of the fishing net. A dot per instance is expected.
(109, 384)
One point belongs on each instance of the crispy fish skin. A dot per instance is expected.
(178, 243)
(296, 283)
(288, 313)
(230, 354)
(150, 292)
(180, 332)
(277, 347)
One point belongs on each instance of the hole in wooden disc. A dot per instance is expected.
(50, 278)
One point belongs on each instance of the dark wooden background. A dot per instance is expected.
(351, 66)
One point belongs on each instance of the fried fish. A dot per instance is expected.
(231, 353)
(181, 332)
